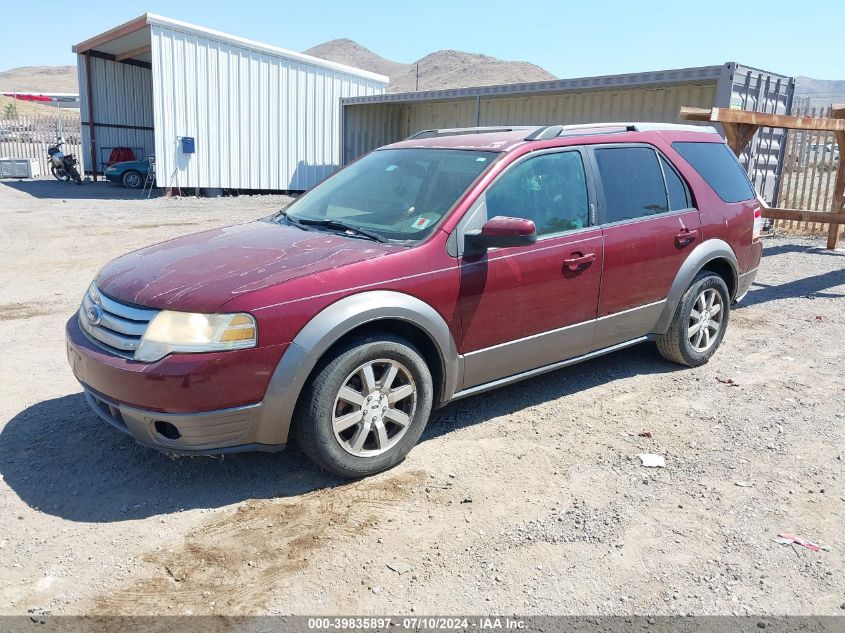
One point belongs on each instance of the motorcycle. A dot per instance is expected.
(63, 166)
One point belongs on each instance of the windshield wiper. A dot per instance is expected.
(343, 226)
(292, 220)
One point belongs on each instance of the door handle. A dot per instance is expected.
(685, 237)
(579, 260)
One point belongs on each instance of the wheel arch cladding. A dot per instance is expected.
(714, 255)
(365, 312)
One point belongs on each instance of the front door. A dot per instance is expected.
(527, 307)
(649, 229)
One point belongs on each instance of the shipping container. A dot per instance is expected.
(373, 121)
(217, 111)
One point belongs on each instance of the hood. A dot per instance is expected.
(201, 272)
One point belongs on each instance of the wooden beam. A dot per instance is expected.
(800, 215)
(137, 52)
(762, 119)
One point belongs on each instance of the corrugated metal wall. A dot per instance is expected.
(367, 126)
(123, 97)
(259, 121)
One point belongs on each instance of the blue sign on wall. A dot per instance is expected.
(187, 144)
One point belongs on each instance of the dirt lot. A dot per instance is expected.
(529, 500)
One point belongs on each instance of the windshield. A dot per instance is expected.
(399, 194)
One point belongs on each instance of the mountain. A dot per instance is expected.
(820, 92)
(443, 69)
(351, 53)
(39, 79)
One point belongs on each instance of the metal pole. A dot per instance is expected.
(91, 134)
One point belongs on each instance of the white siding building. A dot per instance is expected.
(261, 117)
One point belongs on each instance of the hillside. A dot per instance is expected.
(442, 69)
(39, 79)
(820, 92)
(351, 53)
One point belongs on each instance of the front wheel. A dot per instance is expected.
(366, 407)
(700, 322)
(59, 173)
(73, 174)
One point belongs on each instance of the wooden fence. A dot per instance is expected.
(809, 171)
(28, 135)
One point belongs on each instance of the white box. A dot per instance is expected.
(19, 168)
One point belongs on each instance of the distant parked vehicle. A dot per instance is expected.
(131, 173)
(63, 166)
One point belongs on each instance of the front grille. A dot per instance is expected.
(115, 326)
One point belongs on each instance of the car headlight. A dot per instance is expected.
(187, 332)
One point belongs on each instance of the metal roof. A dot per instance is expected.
(630, 80)
(127, 38)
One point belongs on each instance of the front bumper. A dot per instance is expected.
(191, 403)
(208, 433)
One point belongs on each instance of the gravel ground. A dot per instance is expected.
(530, 499)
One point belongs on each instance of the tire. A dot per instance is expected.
(74, 175)
(683, 344)
(59, 173)
(132, 179)
(375, 442)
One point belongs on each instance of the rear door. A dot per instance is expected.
(649, 226)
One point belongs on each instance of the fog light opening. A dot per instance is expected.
(168, 430)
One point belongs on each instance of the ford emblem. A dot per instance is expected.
(94, 314)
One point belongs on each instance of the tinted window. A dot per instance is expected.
(549, 189)
(678, 195)
(398, 193)
(719, 167)
(632, 182)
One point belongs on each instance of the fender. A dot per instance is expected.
(700, 256)
(327, 327)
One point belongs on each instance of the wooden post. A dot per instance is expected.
(838, 204)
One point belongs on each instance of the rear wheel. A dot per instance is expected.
(366, 407)
(699, 323)
(132, 180)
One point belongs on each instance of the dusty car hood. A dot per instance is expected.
(201, 272)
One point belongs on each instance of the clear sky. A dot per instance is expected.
(568, 38)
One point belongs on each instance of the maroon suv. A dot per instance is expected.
(429, 270)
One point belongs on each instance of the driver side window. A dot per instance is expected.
(549, 189)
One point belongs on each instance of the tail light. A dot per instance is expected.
(758, 224)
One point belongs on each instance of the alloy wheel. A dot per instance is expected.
(705, 320)
(374, 407)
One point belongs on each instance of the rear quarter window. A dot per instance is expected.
(719, 167)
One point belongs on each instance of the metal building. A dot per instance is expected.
(217, 111)
(372, 121)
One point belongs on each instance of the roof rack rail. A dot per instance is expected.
(555, 131)
(468, 130)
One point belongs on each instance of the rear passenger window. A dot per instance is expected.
(678, 194)
(719, 167)
(632, 181)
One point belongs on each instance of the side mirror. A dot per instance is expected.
(502, 231)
